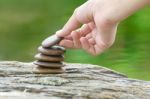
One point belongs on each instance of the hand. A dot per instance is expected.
(99, 20)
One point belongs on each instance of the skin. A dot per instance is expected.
(93, 25)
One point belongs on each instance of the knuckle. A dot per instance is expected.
(76, 11)
(76, 14)
(101, 48)
(107, 45)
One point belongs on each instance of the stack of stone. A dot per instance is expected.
(50, 57)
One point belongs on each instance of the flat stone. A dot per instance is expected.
(50, 41)
(41, 70)
(57, 47)
(49, 64)
(49, 58)
(54, 50)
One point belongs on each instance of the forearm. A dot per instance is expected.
(135, 5)
(128, 7)
(147, 2)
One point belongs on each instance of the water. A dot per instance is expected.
(24, 24)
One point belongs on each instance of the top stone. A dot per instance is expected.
(52, 40)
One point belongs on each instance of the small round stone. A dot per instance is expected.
(56, 47)
(54, 50)
(49, 58)
(49, 64)
(52, 40)
(41, 70)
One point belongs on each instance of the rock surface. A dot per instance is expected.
(81, 81)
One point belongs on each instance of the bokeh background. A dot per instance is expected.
(25, 23)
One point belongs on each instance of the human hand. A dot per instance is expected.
(99, 20)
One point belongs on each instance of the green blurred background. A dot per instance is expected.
(25, 23)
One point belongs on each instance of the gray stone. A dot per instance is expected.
(41, 70)
(49, 58)
(54, 50)
(50, 41)
(49, 64)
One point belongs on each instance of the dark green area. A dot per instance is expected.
(25, 23)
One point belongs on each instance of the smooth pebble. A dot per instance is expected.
(50, 41)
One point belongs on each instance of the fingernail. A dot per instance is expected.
(59, 33)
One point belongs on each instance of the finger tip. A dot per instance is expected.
(60, 33)
(61, 43)
(66, 44)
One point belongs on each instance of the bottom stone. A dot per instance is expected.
(42, 70)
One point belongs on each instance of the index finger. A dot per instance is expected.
(80, 16)
(71, 25)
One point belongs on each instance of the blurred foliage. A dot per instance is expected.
(25, 23)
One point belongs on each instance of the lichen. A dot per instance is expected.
(53, 81)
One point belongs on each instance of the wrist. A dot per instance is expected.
(142, 3)
(147, 2)
(131, 6)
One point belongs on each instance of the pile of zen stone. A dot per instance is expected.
(50, 58)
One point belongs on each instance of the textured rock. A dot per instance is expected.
(81, 81)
